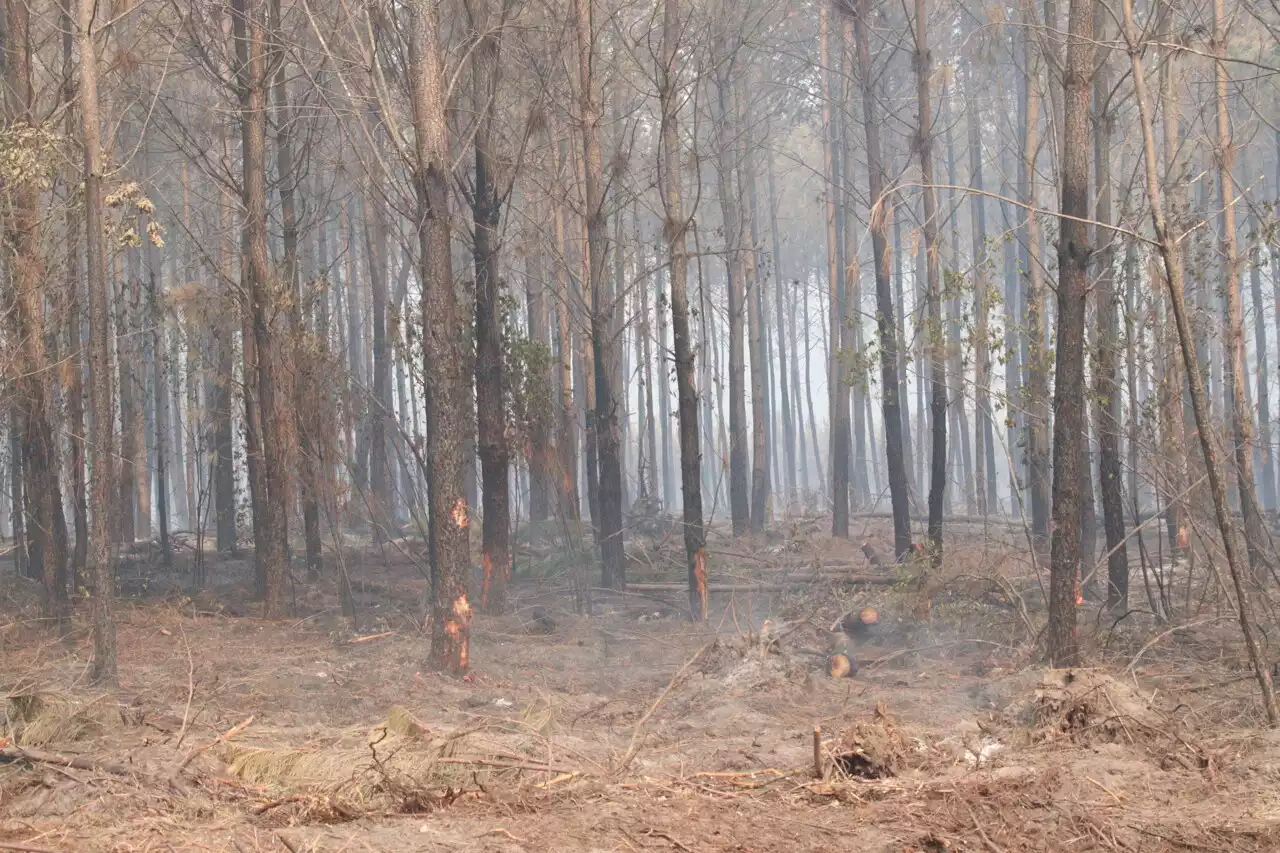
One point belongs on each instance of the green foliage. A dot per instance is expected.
(528, 370)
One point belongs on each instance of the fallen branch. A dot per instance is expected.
(634, 747)
(506, 765)
(818, 770)
(39, 756)
(25, 848)
(370, 638)
(263, 808)
(793, 582)
(222, 738)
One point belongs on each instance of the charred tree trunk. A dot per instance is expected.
(933, 325)
(603, 345)
(1106, 366)
(23, 237)
(486, 212)
(674, 230)
(837, 380)
(449, 519)
(884, 297)
(1070, 427)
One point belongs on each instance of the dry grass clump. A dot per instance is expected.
(399, 766)
(32, 717)
(1086, 704)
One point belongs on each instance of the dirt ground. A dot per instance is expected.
(632, 729)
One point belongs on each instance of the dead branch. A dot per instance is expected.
(39, 756)
(26, 848)
(230, 733)
(635, 736)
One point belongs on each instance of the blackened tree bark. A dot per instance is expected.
(1106, 366)
(837, 384)
(933, 275)
(486, 210)
(758, 344)
(249, 27)
(541, 466)
(23, 237)
(674, 229)
(74, 317)
(890, 388)
(1070, 426)
(449, 519)
(604, 346)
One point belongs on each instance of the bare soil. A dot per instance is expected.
(631, 729)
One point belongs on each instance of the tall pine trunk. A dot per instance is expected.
(603, 345)
(890, 388)
(1069, 414)
(674, 229)
(735, 269)
(101, 446)
(252, 83)
(985, 450)
(495, 556)
(837, 384)
(933, 326)
(449, 518)
(1035, 386)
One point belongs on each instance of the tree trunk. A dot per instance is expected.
(933, 326)
(1174, 279)
(541, 466)
(449, 520)
(1241, 419)
(604, 347)
(74, 330)
(884, 297)
(900, 329)
(23, 228)
(985, 450)
(735, 269)
(837, 380)
(252, 84)
(1035, 388)
(755, 322)
(495, 556)
(1265, 451)
(785, 333)
(567, 420)
(1070, 428)
(674, 228)
(101, 446)
(851, 325)
(1105, 369)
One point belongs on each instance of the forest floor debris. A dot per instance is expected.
(612, 732)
